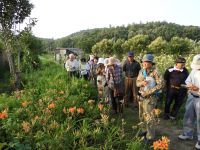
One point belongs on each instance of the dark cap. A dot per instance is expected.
(130, 54)
(83, 59)
(180, 60)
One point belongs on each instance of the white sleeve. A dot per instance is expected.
(67, 65)
(188, 81)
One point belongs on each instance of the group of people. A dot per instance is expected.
(140, 84)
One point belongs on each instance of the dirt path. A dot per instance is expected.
(165, 128)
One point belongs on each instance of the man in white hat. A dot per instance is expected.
(193, 103)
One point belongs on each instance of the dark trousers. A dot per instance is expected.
(85, 76)
(73, 73)
(113, 100)
(131, 88)
(176, 95)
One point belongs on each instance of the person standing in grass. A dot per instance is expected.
(93, 67)
(192, 112)
(114, 81)
(101, 78)
(84, 69)
(131, 68)
(174, 78)
(149, 81)
(72, 66)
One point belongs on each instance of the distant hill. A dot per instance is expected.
(85, 39)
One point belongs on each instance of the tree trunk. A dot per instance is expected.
(10, 61)
(7, 37)
(15, 74)
(18, 60)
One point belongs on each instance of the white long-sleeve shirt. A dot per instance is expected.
(72, 65)
(194, 79)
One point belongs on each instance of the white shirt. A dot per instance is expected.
(172, 69)
(84, 68)
(194, 79)
(72, 65)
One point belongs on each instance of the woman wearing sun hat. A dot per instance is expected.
(101, 78)
(114, 81)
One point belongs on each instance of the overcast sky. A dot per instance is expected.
(59, 18)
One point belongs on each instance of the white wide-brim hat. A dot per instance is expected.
(196, 62)
(111, 61)
(100, 61)
(106, 61)
(118, 62)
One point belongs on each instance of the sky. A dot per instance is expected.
(59, 18)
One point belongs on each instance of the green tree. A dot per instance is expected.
(117, 47)
(137, 43)
(85, 43)
(179, 45)
(158, 45)
(12, 13)
(103, 47)
(30, 47)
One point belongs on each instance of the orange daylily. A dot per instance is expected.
(24, 103)
(51, 106)
(80, 110)
(157, 111)
(162, 144)
(100, 106)
(26, 126)
(3, 114)
(72, 110)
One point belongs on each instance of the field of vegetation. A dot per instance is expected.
(54, 111)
